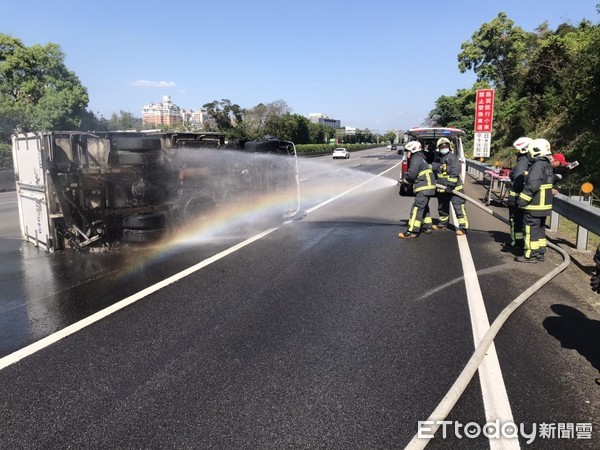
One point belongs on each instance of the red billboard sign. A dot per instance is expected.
(484, 111)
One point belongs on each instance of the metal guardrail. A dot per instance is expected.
(577, 209)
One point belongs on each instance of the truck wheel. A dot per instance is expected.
(144, 221)
(142, 236)
(197, 208)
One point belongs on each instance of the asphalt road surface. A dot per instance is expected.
(325, 332)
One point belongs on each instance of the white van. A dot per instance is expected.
(428, 138)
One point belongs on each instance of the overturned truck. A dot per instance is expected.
(87, 189)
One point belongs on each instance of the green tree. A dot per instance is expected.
(229, 118)
(290, 127)
(390, 136)
(256, 119)
(37, 91)
(497, 53)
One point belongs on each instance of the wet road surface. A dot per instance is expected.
(327, 332)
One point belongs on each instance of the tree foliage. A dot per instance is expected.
(228, 117)
(547, 84)
(37, 91)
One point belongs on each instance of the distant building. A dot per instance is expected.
(165, 113)
(201, 119)
(325, 120)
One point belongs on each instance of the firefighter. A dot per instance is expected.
(448, 174)
(536, 201)
(517, 176)
(595, 280)
(595, 284)
(420, 177)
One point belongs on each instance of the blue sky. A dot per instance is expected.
(377, 64)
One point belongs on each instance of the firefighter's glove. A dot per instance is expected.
(511, 202)
(595, 282)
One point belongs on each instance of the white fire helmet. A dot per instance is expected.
(413, 146)
(539, 147)
(522, 144)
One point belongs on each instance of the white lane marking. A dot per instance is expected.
(6, 203)
(493, 390)
(303, 179)
(77, 326)
(73, 328)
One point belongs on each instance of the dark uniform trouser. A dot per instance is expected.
(534, 231)
(458, 203)
(420, 216)
(515, 216)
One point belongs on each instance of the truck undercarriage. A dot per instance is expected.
(77, 189)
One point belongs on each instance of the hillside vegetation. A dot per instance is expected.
(547, 85)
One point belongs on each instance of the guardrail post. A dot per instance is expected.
(582, 233)
(554, 221)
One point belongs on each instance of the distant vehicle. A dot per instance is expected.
(341, 153)
(393, 147)
(428, 138)
(389, 147)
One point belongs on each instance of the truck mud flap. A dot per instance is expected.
(142, 236)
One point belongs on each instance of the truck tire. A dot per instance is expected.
(142, 236)
(197, 208)
(144, 221)
(136, 144)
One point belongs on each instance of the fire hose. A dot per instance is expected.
(447, 403)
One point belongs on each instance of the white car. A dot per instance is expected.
(341, 153)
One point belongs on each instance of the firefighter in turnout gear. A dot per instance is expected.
(536, 201)
(447, 170)
(420, 177)
(517, 178)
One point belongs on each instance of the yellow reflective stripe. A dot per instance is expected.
(423, 172)
(413, 219)
(527, 241)
(466, 220)
(423, 188)
(513, 193)
(525, 197)
(538, 207)
(454, 179)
